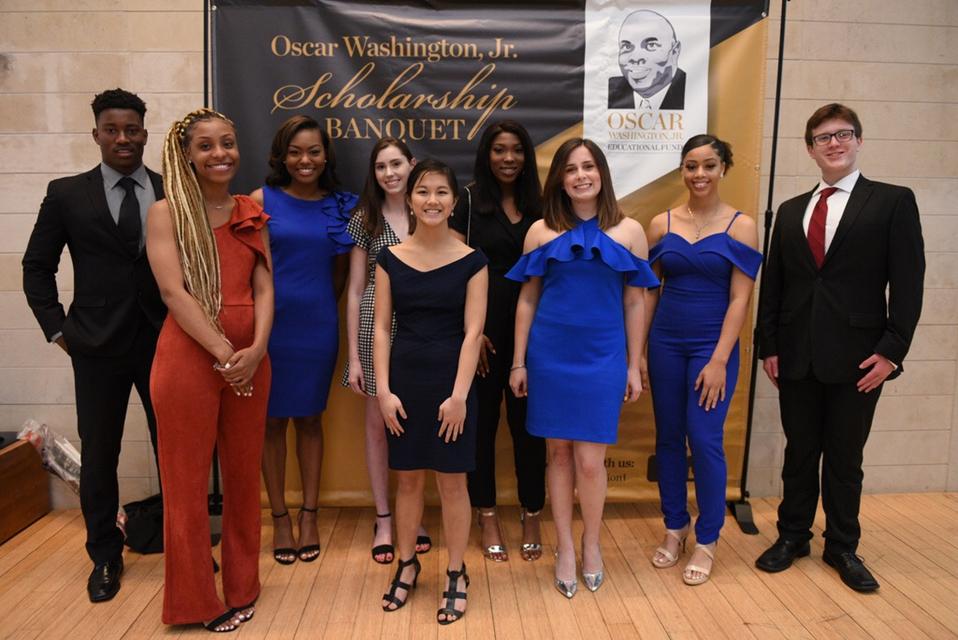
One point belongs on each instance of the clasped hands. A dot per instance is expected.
(238, 370)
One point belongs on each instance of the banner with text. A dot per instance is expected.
(637, 76)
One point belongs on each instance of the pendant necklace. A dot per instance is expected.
(698, 229)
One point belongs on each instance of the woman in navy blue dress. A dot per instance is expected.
(424, 378)
(580, 331)
(308, 238)
(704, 253)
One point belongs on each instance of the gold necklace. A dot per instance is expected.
(698, 229)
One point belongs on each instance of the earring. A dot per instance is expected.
(723, 175)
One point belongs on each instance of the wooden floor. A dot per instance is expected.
(910, 542)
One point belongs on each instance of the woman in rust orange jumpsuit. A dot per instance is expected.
(209, 251)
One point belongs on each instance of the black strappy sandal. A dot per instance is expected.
(451, 595)
(222, 620)
(279, 555)
(383, 549)
(399, 584)
(310, 548)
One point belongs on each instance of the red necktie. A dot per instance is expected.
(816, 226)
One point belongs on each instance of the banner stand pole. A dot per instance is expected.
(215, 503)
(741, 509)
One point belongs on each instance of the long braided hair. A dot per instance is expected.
(196, 244)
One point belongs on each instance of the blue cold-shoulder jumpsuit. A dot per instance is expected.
(686, 327)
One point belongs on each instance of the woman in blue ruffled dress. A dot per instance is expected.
(308, 217)
(580, 331)
(705, 253)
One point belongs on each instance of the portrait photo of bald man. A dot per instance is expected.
(648, 59)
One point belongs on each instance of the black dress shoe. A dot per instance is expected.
(853, 572)
(779, 556)
(104, 582)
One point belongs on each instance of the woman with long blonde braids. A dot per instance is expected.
(209, 251)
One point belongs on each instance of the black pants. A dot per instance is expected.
(827, 424)
(103, 388)
(529, 451)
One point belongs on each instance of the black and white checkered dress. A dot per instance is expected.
(372, 246)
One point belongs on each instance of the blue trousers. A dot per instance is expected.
(675, 361)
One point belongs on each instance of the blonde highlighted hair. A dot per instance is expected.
(195, 242)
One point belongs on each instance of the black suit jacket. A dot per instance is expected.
(833, 318)
(621, 93)
(111, 284)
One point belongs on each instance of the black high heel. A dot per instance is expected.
(282, 554)
(383, 549)
(451, 595)
(311, 550)
(399, 584)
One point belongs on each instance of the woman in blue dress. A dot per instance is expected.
(704, 252)
(309, 242)
(580, 331)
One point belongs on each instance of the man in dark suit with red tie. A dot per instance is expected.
(111, 329)
(829, 335)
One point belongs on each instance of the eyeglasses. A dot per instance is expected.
(823, 139)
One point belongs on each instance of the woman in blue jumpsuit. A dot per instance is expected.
(704, 254)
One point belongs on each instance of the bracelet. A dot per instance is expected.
(517, 366)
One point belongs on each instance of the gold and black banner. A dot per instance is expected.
(436, 72)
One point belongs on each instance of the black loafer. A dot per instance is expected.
(104, 582)
(779, 556)
(852, 570)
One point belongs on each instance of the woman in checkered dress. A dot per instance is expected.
(381, 220)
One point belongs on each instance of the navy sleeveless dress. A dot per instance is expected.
(576, 357)
(424, 360)
(686, 327)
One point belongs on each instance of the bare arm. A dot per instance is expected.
(244, 363)
(165, 262)
(525, 312)
(452, 412)
(636, 327)
(354, 297)
(340, 271)
(389, 403)
(711, 380)
(487, 347)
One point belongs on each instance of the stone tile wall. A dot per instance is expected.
(896, 63)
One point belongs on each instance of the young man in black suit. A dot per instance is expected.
(830, 337)
(111, 328)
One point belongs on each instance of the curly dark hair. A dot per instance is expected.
(117, 99)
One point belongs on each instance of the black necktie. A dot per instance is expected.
(129, 220)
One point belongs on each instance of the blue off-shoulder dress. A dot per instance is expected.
(305, 236)
(576, 357)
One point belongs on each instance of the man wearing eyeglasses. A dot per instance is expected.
(830, 337)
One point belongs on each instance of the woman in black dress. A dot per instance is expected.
(493, 214)
(437, 287)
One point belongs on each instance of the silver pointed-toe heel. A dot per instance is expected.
(593, 580)
(565, 587)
